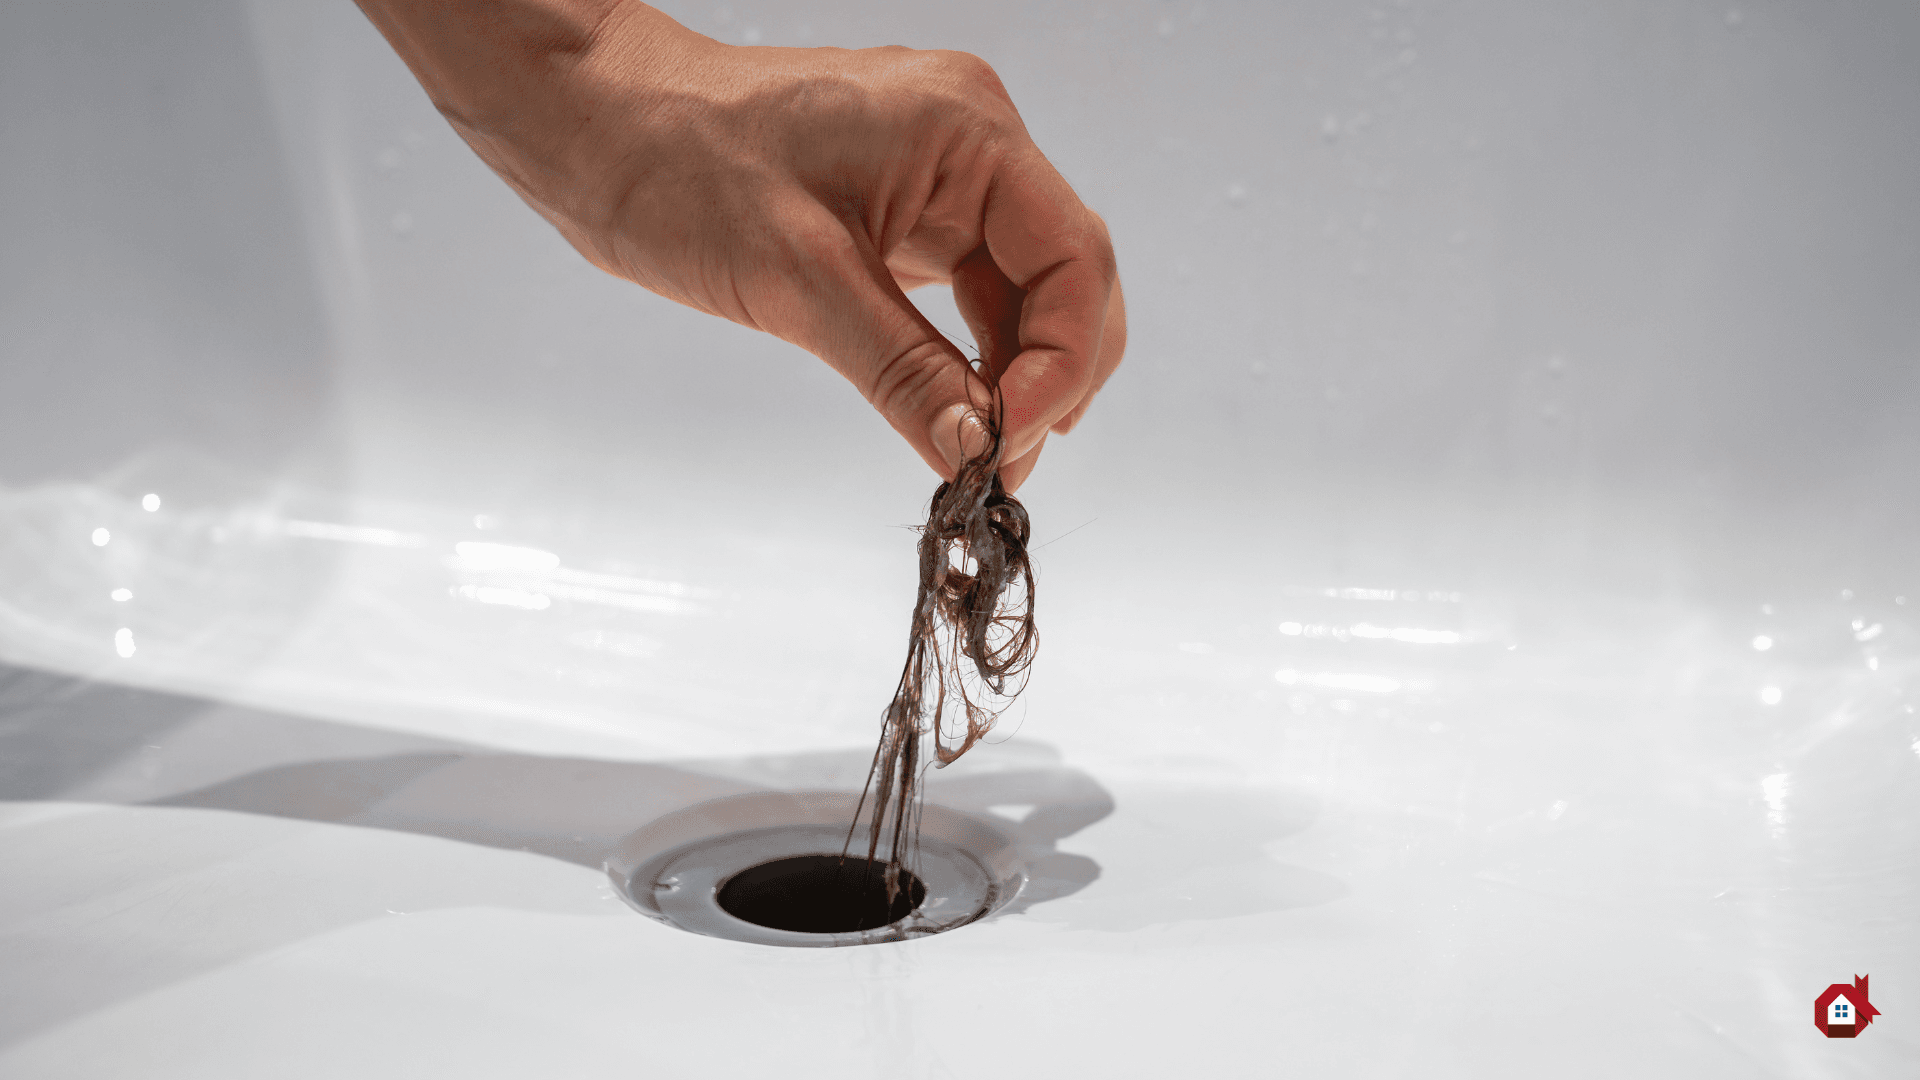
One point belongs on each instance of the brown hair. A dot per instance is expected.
(974, 611)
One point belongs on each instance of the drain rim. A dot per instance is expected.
(962, 858)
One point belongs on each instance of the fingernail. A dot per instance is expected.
(958, 434)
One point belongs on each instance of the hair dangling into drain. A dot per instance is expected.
(968, 650)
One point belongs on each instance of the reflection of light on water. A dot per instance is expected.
(122, 595)
(1559, 807)
(532, 571)
(101, 537)
(621, 582)
(1407, 634)
(1339, 680)
(514, 598)
(619, 644)
(1431, 595)
(1762, 643)
(351, 534)
(1369, 632)
(480, 558)
(615, 598)
(1776, 788)
(1770, 695)
(1866, 633)
(123, 642)
(150, 502)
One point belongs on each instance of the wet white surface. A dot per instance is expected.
(1479, 624)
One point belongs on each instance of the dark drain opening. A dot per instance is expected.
(818, 894)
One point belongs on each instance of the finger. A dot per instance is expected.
(1015, 473)
(841, 303)
(1113, 346)
(991, 304)
(1057, 252)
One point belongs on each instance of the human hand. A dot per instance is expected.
(801, 192)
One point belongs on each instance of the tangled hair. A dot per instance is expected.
(968, 650)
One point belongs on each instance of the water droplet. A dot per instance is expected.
(150, 502)
(1770, 695)
(123, 642)
(101, 537)
(1762, 643)
(122, 595)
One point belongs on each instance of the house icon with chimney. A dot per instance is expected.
(1841, 1011)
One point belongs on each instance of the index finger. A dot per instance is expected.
(1057, 252)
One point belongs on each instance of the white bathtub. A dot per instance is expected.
(1478, 621)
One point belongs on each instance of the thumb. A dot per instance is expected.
(927, 391)
(855, 317)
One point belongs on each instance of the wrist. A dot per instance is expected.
(543, 90)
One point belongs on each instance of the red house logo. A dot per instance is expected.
(1841, 1011)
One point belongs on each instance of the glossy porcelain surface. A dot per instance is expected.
(1478, 623)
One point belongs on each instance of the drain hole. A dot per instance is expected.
(818, 894)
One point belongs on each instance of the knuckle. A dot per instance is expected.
(971, 77)
(904, 383)
(967, 67)
(1098, 245)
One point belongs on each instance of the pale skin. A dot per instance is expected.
(801, 192)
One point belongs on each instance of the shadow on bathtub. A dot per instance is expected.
(69, 740)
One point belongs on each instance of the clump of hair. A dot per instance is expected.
(968, 649)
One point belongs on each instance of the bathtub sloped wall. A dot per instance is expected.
(1526, 279)
(1483, 295)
